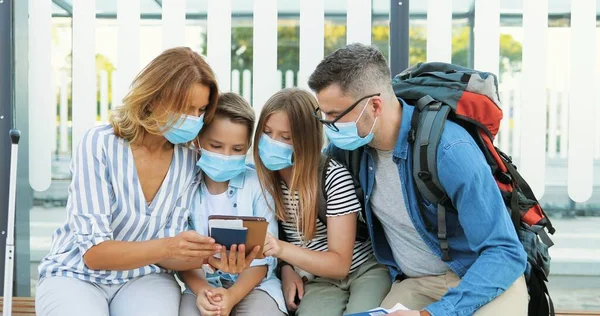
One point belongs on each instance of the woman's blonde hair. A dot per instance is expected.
(307, 137)
(166, 81)
(235, 108)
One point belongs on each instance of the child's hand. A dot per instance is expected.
(292, 286)
(205, 306)
(236, 262)
(272, 247)
(222, 298)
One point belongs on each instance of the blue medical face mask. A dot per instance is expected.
(275, 155)
(219, 167)
(347, 137)
(184, 129)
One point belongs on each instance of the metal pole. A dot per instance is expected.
(399, 40)
(9, 260)
(6, 118)
(21, 117)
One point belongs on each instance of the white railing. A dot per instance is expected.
(533, 112)
(511, 129)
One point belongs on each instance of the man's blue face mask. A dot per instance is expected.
(345, 135)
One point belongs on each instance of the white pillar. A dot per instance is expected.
(41, 99)
(128, 49)
(64, 113)
(84, 69)
(219, 41)
(247, 85)
(103, 96)
(564, 124)
(516, 140)
(581, 116)
(439, 30)
(358, 22)
(265, 52)
(312, 43)
(289, 79)
(505, 131)
(487, 35)
(533, 136)
(235, 81)
(173, 23)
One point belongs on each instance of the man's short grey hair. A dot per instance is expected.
(358, 69)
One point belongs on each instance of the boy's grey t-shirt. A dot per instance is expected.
(410, 252)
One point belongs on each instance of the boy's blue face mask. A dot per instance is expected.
(184, 129)
(347, 137)
(219, 167)
(275, 155)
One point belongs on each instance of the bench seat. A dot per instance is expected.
(25, 306)
(22, 306)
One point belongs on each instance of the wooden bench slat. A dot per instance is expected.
(25, 306)
(22, 306)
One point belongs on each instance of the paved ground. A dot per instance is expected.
(575, 276)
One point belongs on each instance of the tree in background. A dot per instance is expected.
(102, 64)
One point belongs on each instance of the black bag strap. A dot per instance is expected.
(540, 302)
(322, 213)
(283, 237)
(526, 189)
(362, 231)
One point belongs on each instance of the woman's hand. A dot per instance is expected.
(292, 285)
(191, 246)
(272, 247)
(236, 262)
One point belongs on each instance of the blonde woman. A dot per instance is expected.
(340, 272)
(132, 184)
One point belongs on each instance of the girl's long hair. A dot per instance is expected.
(307, 137)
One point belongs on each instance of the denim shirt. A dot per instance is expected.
(246, 197)
(486, 252)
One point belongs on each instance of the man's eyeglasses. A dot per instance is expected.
(331, 124)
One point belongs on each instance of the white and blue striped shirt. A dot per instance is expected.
(106, 202)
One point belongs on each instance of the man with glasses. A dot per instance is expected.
(485, 274)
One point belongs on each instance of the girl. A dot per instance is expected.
(133, 181)
(228, 187)
(342, 274)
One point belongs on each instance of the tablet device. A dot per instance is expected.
(255, 228)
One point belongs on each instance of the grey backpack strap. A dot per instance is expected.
(427, 126)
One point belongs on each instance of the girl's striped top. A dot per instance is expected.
(341, 200)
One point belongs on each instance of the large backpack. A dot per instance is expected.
(441, 92)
